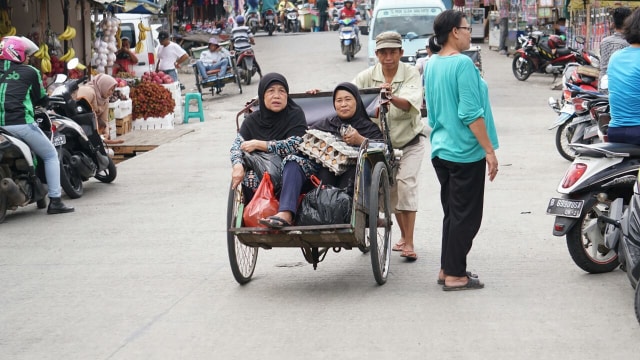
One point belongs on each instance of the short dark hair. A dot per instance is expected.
(444, 23)
(435, 48)
(619, 15)
(631, 27)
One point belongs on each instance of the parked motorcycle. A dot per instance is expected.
(252, 21)
(349, 41)
(269, 21)
(245, 59)
(83, 155)
(536, 55)
(292, 23)
(599, 174)
(21, 170)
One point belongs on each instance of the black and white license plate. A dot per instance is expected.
(565, 207)
(59, 140)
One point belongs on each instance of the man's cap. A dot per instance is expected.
(388, 39)
(163, 35)
(214, 41)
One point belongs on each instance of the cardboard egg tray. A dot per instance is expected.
(329, 151)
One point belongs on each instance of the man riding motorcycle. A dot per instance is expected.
(349, 12)
(21, 88)
(282, 7)
(268, 5)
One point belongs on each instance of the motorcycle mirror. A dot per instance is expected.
(604, 82)
(60, 78)
(73, 63)
(411, 35)
(580, 39)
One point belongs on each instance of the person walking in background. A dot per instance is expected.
(170, 56)
(463, 143)
(323, 6)
(504, 26)
(402, 82)
(611, 44)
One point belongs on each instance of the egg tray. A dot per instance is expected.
(329, 151)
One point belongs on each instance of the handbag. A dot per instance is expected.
(262, 205)
(324, 205)
(265, 162)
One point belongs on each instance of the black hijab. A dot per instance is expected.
(265, 124)
(360, 120)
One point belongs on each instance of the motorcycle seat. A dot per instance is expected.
(563, 51)
(603, 149)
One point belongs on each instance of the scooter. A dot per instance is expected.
(252, 21)
(245, 59)
(599, 174)
(22, 171)
(349, 41)
(83, 155)
(622, 234)
(269, 21)
(292, 23)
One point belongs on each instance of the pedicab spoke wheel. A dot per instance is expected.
(242, 258)
(380, 225)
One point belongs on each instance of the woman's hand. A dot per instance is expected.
(492, 165)
(237, 175)
(253, 145)
(312, 91)
(353, 138)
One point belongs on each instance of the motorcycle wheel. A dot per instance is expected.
(70, 180)
(348, 56)
(637, 303)
(591, 255)
(109, 174)
(563, 134)
(270, 30)
(522, 68)
(296, 28)
(254, 29)
(3, 199)
(246, 72)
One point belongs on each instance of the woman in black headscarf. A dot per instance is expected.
(350, 111)
(277, 127)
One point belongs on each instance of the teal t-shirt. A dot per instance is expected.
(624, 91)
(269, 4)
(456, 96)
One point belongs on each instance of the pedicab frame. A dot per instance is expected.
(374, 175)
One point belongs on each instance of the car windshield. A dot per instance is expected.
(417, 20)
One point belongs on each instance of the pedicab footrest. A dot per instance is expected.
(339, 235)
(215, 78)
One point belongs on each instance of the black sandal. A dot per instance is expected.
(274, 222)
(472, 284)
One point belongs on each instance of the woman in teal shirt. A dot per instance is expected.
(463, 140)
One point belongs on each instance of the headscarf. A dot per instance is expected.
(101, 84)
(359, 121)
(265, 124)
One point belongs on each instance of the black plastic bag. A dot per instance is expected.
(261, 162)
(325, 205)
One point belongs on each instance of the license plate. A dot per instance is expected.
(565, 207)
(59, 140)
(347, 28)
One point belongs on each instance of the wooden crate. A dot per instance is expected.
(123, 125)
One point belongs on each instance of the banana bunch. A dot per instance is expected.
(45, 59)
(6, 29)
(70, 54)
(68, 34)
(141, 37)
(119, 38)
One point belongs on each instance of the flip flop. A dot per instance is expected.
(472, 284)
(469, 274)
(398, 246)
(274, 222)
(409, 255)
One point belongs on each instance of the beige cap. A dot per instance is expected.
(388, 39)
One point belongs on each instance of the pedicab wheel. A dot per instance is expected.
(195, 71)
(380, 236)
(637, 303)
(3, 199)
(242, 258)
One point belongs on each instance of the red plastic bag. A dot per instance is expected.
(263, 204)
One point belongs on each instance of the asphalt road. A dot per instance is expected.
(140, 270)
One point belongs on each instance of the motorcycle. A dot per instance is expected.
(245, 59)
(622, 234)
(21, 171)
(292, 24)
(252, 21)
(335, 15)
(83, 155)
(349, 41)
(269, 21)
(536, 56)
(599, 174)
(576, 122)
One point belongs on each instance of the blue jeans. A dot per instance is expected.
(173, 73)
(222, 65)
(38, 142)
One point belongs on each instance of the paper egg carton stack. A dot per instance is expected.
(329, 151)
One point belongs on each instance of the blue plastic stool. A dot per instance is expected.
(192, 114)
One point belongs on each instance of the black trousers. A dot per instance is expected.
(462, 198)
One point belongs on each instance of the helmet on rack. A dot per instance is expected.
(240, 20)
(12, 48)
(556, 41)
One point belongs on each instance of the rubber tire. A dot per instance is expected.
(637, 303)
(242, 275)
(42, 203)
(270, 30)
(521, 77)
(296, 27)
(111, 173)
(579, 253)
(561, 134)
(380, 253)
(254, 29)
(247, 79)
(70, 181)
(348, 56)
(3, 200)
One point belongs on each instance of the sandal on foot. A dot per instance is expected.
(469, 275)
(472, 284)
(409, 255)
(274, 222)
(398, 246)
